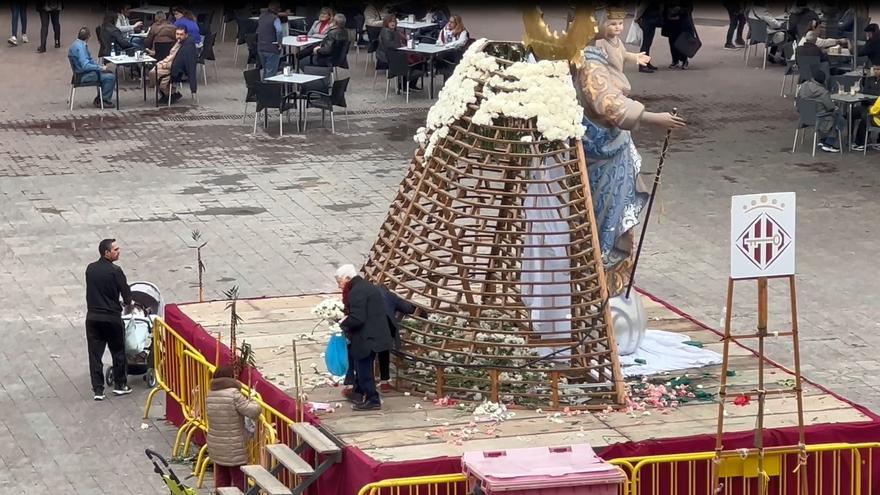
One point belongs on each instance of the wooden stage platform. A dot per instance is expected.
(410, 428)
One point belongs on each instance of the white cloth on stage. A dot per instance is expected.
(666, 351)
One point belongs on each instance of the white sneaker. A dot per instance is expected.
(858, 147)
(122, 391)
(12, 41)
(24, 38)
(99, 396)
(828, 149)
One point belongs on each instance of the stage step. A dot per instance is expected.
(289, 459)
(312, 436)
(229, 490)
(265, 480)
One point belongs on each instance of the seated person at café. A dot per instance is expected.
(127, 28)
(828, 118)
(161, 31)
(374, 14)
(824, 43)
(161, 73)
(439, 15)
(801, 19)
(759, 11)
(320, 27)
(872, 46)
(332, 46)
(870, 86)
(453, 35)
(81, 62)
(808, 48)
(390, 39)
(184, 18)
(112, 37)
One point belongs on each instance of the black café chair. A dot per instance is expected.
(77, 82)
(372, 45)
(807, 115)
(251, 78)
(162, 49)
(758, 34)
(340, 58)
(253, 57)
(326, 101)
(270, 96)
(207, 54)
(246, 26)
(399, 68)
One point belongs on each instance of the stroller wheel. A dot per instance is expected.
(150, 378)
(108, 376)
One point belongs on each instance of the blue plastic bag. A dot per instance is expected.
(336, 356)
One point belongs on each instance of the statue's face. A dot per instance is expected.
(613, 28)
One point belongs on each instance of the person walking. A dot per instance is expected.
(226, 408)
(269, 36)
(49, 10)
(649, 17)
(676, 21)
(736, 13)
(368, 328)
(105, 285)
(396, 308)
(19, 13)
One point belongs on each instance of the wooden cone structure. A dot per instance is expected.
(512, 312)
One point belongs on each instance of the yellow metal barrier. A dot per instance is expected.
(833, 469)
(168, 347)
(444, 484)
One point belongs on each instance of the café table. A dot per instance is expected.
(430, 50)
(121, 60)
(295, 79)
(849, 100)
(294, 43)
(414, 25)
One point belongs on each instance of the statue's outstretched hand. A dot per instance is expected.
(663, 119)
(644, 59)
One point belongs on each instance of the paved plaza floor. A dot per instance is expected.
(279, 214)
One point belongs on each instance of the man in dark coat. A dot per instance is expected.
(105, 286)
(186, 64)
(396, 308)
(368, 328)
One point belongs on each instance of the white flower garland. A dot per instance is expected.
(524, 90)
(332, 311)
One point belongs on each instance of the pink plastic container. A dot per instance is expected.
(570, 470)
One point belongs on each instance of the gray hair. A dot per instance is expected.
(346, 271)
(811, 37)
(160, 16)
(340, 20)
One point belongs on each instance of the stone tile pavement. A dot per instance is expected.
(279, 213)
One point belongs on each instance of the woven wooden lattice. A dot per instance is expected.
(456, 242)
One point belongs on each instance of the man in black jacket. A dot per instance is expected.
(186, 63)
(105, 283)
(333, 46)
(368, 328)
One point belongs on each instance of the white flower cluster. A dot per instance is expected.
(491, 411)
(543, 91)
(332, 311)
(523, 90)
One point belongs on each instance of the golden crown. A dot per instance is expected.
(551, 46)
(613, 13)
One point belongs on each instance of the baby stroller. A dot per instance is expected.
(161, 467)
(146, 306)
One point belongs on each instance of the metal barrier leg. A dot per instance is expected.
(201, 464)
(149, 403)
(189, 438)
(178, 439)
(204, 469)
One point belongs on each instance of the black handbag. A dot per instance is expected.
(688, 43)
